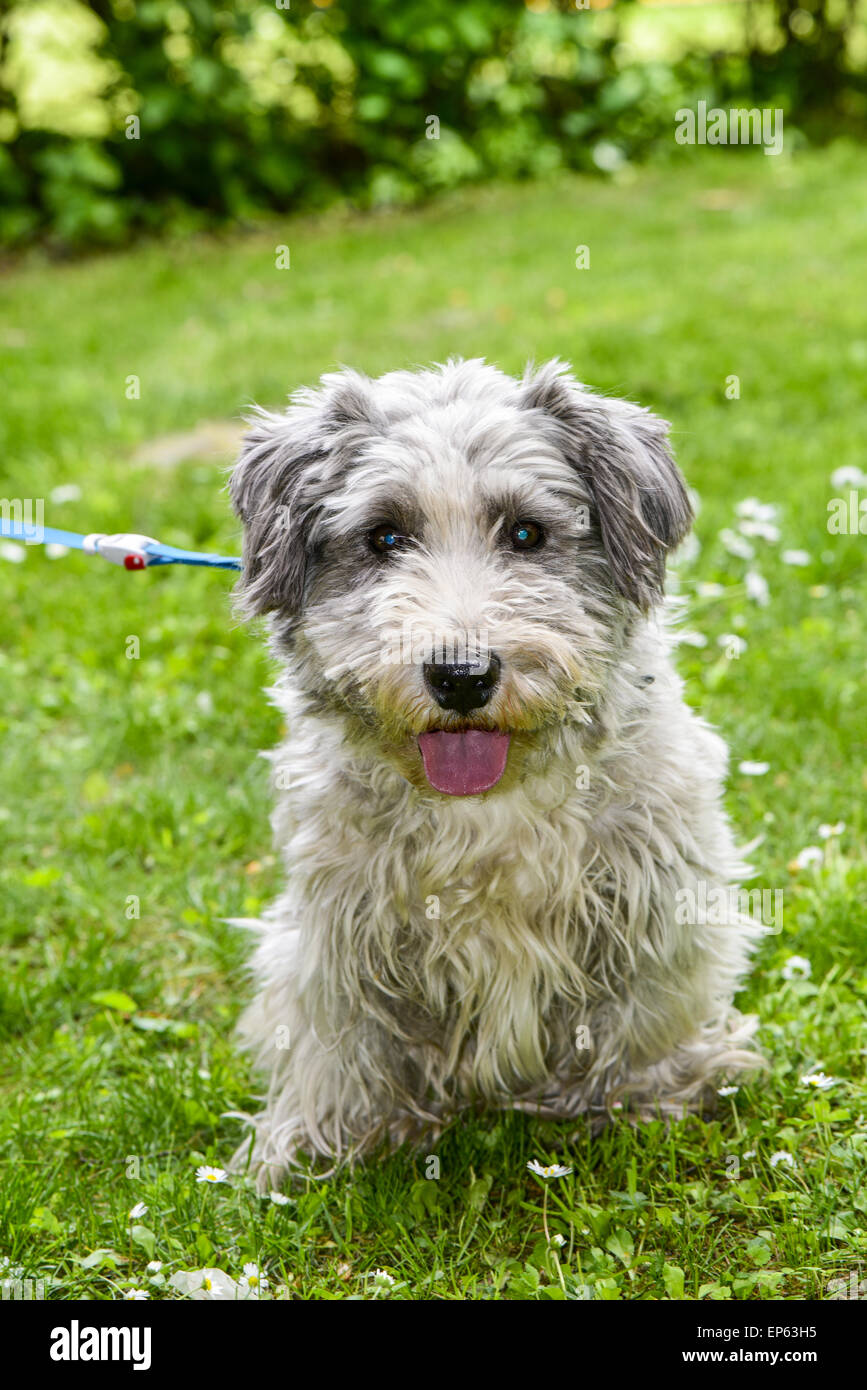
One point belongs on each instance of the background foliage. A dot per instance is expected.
(245, 107)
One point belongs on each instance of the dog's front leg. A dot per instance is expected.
(333, 1095)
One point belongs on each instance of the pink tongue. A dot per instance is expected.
(464, 764)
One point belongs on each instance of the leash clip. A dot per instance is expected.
(127, 548)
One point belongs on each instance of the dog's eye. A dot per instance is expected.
(385, 538)
(526, 535)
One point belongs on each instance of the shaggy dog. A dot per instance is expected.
(492, 798)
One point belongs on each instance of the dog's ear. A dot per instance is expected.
(621, 453)
(289, 464)
(265, 489)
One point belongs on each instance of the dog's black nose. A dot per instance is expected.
(462, 687)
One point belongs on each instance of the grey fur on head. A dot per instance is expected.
(552, 824)
(292, 461)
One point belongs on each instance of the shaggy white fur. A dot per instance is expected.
(520, 946)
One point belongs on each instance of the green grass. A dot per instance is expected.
(129, 779)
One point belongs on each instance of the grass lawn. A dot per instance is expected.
(134, 810)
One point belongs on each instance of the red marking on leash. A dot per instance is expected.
(133, 562)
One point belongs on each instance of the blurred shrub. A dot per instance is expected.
(815, 61)
(120, 115)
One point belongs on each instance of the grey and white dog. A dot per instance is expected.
(491, 793)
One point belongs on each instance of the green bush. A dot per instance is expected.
(203, 113)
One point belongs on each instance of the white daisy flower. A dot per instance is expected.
(765, 530)
(252, 1282)
(753, 769)
(709, 590)
(750, 1153)
(734, 645)
(848, 476)
(727, 1090)
(819, 1080)
(810, 855)
(140, 1209)
(67, 492)
(381, 1279)
(135, 1295)
(796, 557)
(736, 544)
(279, 1199)
(828, 831)
(758, 511)
(797, 968)
(757, 588)
(207, 1174)
(205, 1285)
(13, 552)
(154, 1267)
(55, 551)
(553, 1170)
(782, 1156)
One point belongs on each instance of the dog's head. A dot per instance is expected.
(454, 558)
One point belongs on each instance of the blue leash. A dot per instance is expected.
(132, 551)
